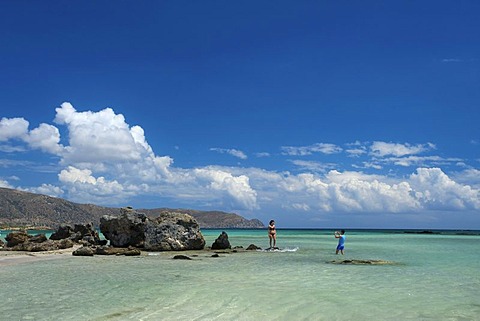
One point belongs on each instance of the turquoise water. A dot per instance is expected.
(437, 278)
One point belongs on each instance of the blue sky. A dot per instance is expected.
(314, 113)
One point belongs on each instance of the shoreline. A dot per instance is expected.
(18, 257)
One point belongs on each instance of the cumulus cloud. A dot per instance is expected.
(309, 150)
(100, 137)
(238, 187)
(382, 149)
(107, 161)
(45, 189)
(13, 128)
(438, 191)
(233, 152)
(45, 137)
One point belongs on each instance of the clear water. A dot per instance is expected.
(437, 278)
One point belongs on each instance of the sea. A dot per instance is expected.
(430, 276)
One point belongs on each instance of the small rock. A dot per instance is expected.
(253, 247)
(83, 251)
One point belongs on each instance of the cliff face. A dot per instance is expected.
(18, 208)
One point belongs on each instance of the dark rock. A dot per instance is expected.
(15, 238)
(253, 247)
(83, 251)
(181, 257)
(81, 233)
(363, 262)
(38, 238)
(64, 231)
(173, 232)
(64, 244)
(215, 255)
(222, 242)
(109, 250)
(126, 230)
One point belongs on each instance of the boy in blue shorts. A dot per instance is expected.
(341, 241)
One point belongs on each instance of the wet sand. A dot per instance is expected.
(19, 257)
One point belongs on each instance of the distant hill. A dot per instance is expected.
(18, 208)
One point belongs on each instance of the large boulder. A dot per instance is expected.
(64, 231)
(168, 232)
(15, 238)
(222, 242)
(173, 232)
(125, 230)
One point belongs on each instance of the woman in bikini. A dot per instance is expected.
(272, 233)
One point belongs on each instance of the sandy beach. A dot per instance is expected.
(18, 257)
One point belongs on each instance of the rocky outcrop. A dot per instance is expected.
(173, 232)
(168, 232)
(222, 242)
(80, 233)
(128, 229)
(21, 241)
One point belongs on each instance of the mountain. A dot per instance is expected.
(18, 208)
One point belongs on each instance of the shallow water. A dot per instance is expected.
(436, 278)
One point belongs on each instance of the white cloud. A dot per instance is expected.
(469, 176)
(100, 137)
(238, 187)
(451, 60)
(309, 150)
(381, 149)
(84, 187)
(13, 128)
(262, 154)
(5, 184)
(438, 191)
(312, 165)
(46, 138)
(233, 152)
(46, 189)
(107, 161)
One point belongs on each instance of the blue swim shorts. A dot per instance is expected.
(340, 247)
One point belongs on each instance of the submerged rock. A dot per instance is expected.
(109, 250)
(253, 247)
(363, 262)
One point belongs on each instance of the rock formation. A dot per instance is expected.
(21, 241)
(222, 242)
(124, 230)
(168, 232)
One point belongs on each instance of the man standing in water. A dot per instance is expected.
(341, 241)
(272, 233)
